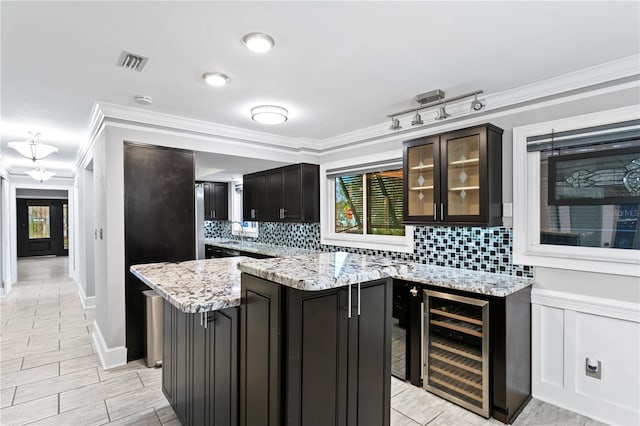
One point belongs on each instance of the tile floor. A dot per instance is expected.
(51, 375)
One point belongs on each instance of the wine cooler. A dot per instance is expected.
(456, 349)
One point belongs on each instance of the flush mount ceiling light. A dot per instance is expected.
(216, 79)
(258, 42)
(40, 174)
(32, 148)
(269, 114)
(433, 99)
(143, 99)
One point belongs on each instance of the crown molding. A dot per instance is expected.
(609, 77)
(525, 97)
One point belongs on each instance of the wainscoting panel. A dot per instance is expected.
(568, 329)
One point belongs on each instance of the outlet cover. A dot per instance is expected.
(591, 372)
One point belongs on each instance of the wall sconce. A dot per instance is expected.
(434, 99)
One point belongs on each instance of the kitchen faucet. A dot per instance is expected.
(241, 230)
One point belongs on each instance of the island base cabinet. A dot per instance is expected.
(200, 365)
(330, 363)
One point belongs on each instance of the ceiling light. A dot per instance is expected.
(216, 79)
(395, 124)
(40, 174)
(476, 105)
(269, 114)
(441, 113)
(32, 148)
(258, 42)
(417, 119)
(143, 99)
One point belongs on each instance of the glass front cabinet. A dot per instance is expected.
(454, 178)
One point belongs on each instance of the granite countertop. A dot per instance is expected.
(323, 271)
(259, 248)
(195, 285)
(462, 279)
(330, 270)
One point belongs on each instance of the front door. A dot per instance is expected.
(42, 227)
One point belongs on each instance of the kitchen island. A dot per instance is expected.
(292, 340)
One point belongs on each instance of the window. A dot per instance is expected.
(592, 225)
(362, 205)
(39, 222)
(249, 228)
(383, 212)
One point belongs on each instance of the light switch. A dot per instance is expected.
(507, 210)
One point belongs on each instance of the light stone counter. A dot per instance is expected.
(258, 248)
(195, 285)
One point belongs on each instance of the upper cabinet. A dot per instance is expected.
(216, 200)
(454, 178)
(285, 194)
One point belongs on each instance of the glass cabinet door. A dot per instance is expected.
(462, 176)
(420, 175)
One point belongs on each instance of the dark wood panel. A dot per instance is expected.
(260, 362)
(373, 355)
(200, 363)
(182, 367)
(168, 341)
(275, 191)
(220, 201)
(159, 223)
(223, 368)
(316, 358)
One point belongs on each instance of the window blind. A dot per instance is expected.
(607, 133)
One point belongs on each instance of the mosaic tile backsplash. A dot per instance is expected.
(474, 248)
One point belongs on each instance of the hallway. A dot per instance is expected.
(49, 371)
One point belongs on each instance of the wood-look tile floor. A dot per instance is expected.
(51, 375)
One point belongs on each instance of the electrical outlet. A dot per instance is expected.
(593, 368)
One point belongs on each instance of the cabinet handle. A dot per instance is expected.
(253, 213)
(358, 298)
(201, 315)
(213, 214)
(414, 291)
(435, 211)
(205, 319)
(349, 314)
(441, 211)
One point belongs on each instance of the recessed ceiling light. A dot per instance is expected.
(216, 78)
(269, 114)
(258, 42)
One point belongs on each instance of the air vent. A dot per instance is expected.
(132, 61)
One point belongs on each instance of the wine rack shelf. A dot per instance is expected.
(456, 349)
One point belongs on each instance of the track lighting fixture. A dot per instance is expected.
(417, 119)
(434, 99)
(395, 124)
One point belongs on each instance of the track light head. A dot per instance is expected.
(441, 113)
(395, 124)
(476, 105)
(417, 119)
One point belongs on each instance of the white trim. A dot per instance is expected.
(610, 308)
(527, 249)
(87, 302)
(402, 244)
(109, 357)
(560, 342)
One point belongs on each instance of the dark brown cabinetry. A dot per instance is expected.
(338, 376)
(454, 178)
(216, 200)
(200, 365)
(509, 340)
(285, 194)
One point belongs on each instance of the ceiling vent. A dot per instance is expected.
(132, 61)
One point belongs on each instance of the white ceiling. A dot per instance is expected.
(336, 66)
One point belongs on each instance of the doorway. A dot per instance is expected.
(43, 227)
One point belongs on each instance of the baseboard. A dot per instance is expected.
(87, 302)
(109, 357)
(567, 328)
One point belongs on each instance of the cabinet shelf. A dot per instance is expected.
(424, 167)
(469, 379)
(464, 188)
(420, 188)
(458, 361)
(465, 162)
(466, 391)
(456, 316)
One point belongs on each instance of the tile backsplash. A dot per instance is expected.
(475, 248)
